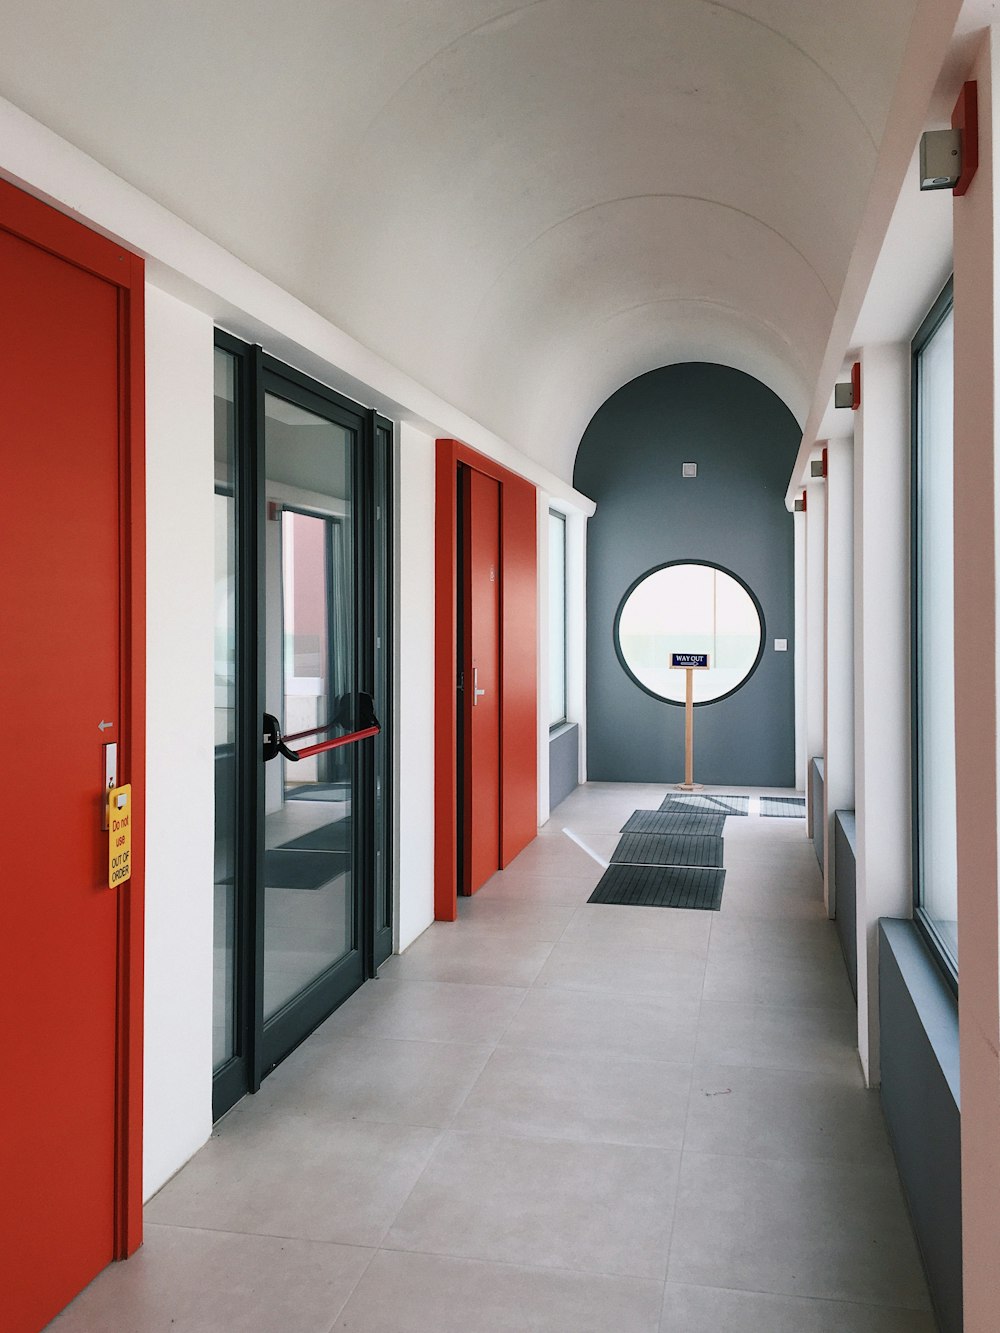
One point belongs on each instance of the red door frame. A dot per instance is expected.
(37, 223)
(518, 666)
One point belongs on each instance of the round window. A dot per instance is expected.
(689, 606)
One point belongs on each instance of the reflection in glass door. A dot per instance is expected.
(310, 921)
(303, 889)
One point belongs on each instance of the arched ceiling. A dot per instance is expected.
(522, 205)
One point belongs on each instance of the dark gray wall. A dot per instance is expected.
(918, 1016)
(846, 875)
(564, 763)
(744, 441)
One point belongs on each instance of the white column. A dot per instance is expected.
(544, 701)
(801, 758)
(838, 727)
(881, 667)
(976, 679)
(576, 629)
(815, 664)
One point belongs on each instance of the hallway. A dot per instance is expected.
(557, 1116)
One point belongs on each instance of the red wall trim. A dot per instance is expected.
(965, 117)
(44, 226)
(519, 666)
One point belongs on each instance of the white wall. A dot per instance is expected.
(180, 799)
(415, 684)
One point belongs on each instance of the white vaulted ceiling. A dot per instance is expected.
(521, 205)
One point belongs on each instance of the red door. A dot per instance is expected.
(481, 679)
(62, 615)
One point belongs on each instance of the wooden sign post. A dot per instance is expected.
(690, 663)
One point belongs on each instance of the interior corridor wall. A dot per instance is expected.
(180, 761)
(744, 441)
(415, 683)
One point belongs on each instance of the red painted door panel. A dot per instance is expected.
(481, 693)
(60, 620)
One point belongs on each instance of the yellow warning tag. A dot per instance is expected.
(120, 829)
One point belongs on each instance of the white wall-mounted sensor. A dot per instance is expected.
(940, 159)
(781, 645)
(689, 469)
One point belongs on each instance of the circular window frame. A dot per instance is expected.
(668, 564)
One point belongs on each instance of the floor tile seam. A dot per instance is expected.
(440, 1136)
(344, 1303)
(262, 1235)
(614, 1274)
(819, 1075)
(322, 1119)
(863, 1169)
(552, 1139)
(781, 1008)
(677, 996)
(332, 1041)
(880, 1306)
(541, 1137)
(680, 1160)
(627, 951)
(563, 1049)
(603, 1056)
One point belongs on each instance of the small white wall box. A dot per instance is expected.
(940, 159)
(781, 645)
(689, 469)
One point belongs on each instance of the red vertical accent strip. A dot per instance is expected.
(519, 697)
(445, 683)
(965, 117)
(855, 393)
(132, 925)
(519, 658)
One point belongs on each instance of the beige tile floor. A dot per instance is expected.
(552, 1117)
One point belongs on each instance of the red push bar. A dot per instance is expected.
(275, 743)
(332, 745)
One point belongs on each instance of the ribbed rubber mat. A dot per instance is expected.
(661, 886)
(655, 849)
(785, 807)
(654, 821)
(709, 805)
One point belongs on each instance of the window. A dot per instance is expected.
(689, 607)
(933, 657)
(557, 619)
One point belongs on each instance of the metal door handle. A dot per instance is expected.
(476, 691)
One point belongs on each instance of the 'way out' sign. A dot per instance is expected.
(689, 661)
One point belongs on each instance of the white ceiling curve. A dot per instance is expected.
(521, 205)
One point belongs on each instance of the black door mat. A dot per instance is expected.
(319, 791)
(284, 869)
(333, 837)
(677, 849)
(661, 886)
(719, 805)
(655, 821)
(785, 807)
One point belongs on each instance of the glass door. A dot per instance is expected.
(303, 889)
(312, 943)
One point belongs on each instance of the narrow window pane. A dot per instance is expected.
(937, 887)
(224, 1008)
(557, 619)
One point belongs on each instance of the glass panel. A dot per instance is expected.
(309, 615)
(383, 881)
(557, 618)
(689, 609)
(938, 889)
(224, 998)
